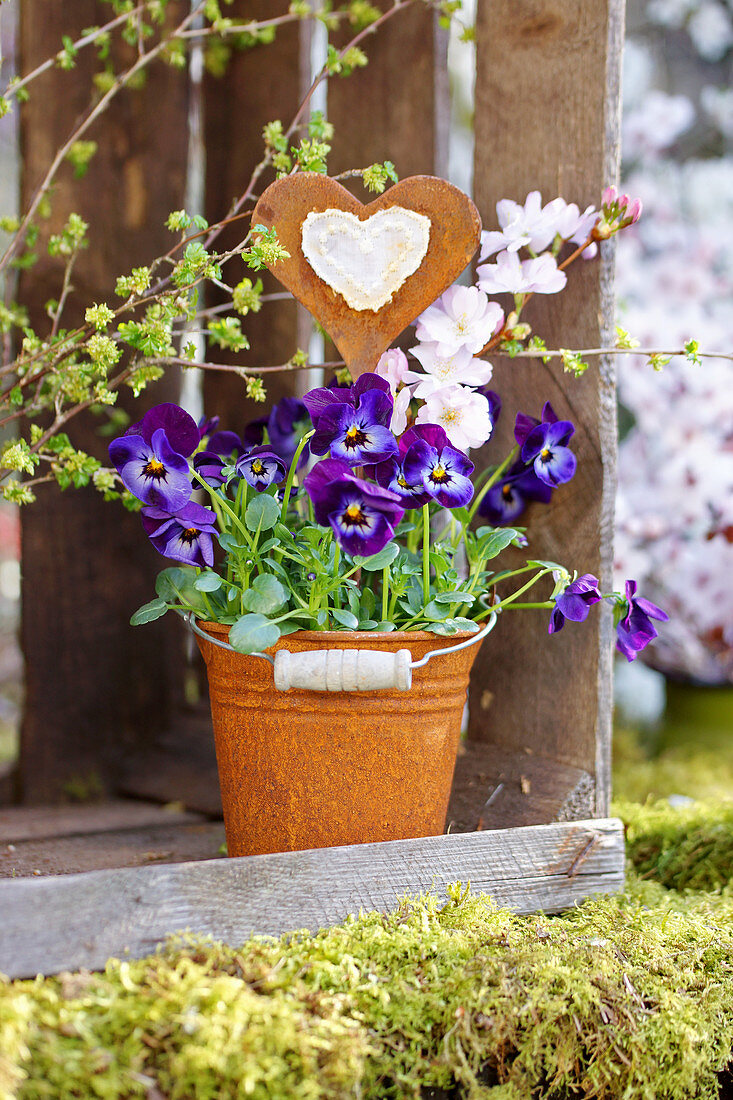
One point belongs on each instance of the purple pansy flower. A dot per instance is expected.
(354, 427)
(544, 447)
(505, 501)
(362, 516)
(287, 423)
(574, 602)
(635, 630)
(442, 470)
(318, 400)
(187, 535)
(391, 475)
(180, 428)
(152, 470)
(261, 467)
(224, 448)
(207, 425)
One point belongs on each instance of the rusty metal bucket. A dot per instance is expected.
(313, 769)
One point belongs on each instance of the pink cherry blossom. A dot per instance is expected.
(511, 275)
(462, 318)
(446, 370)
(393, 367)
(461, 412)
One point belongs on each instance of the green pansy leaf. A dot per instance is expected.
(265, 596)
(345, 618)
(253, 633)
(208, 582)
(386, 626)
(494, 542)
(368, 624)
(228, 542)
(368, 603)
(170, 583)
(456, 597)
(435, 612)
(149, 612)
(263, 512)
(441, 628)
(385, 557)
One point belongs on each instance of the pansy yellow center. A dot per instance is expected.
(353, 516)
(402, 482)
(506, 492)
(257, 467)
(190, 534)
(439, 473)
(354, 436)
(154, 469)
(545, 454)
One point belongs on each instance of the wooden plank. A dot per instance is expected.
(391, 110)
(547, 119)
(491, 784)
(94, 687)
(260, 85)
(80, 920)
(42, 822)
(98, 851)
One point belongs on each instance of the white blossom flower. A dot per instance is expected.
(393, 367)
(511, 275)
(398, 423)
(460, 368)
(463, 317)
(461, 412)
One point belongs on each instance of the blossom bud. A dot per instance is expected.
(633, 211)
(609, 196)
(623, 201)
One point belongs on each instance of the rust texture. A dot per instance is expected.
(303, 769)
(362, 335)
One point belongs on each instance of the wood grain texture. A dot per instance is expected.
(174, 842)
(396, 108)
(94, 687)
(80, 920)
(547, 119)
(260, 85)
(43, 822)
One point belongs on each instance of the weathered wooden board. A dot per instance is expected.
(547, 118)
(43, 822)
(94, 687)
(80, 920)
(260, 85)
(170, 842)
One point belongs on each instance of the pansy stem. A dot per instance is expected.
(426, 552)
(336, 568)
(291, 476)
(225, 505)
(385, 593)
(490, 482)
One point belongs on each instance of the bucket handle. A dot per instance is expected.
(346, 669)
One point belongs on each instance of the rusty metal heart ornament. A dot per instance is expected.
(366, 272)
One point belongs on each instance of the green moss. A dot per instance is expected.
(623, 997)
(687, 768)
(682, 847)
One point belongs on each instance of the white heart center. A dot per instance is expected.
(365, 261)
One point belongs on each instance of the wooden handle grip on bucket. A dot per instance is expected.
(343, 670)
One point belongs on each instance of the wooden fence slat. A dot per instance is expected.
(547, 119)
(80, 920)
(94, 687)
(396, 108)
(260, 85)
(43, 822)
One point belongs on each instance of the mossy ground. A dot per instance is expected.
(624, 998)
